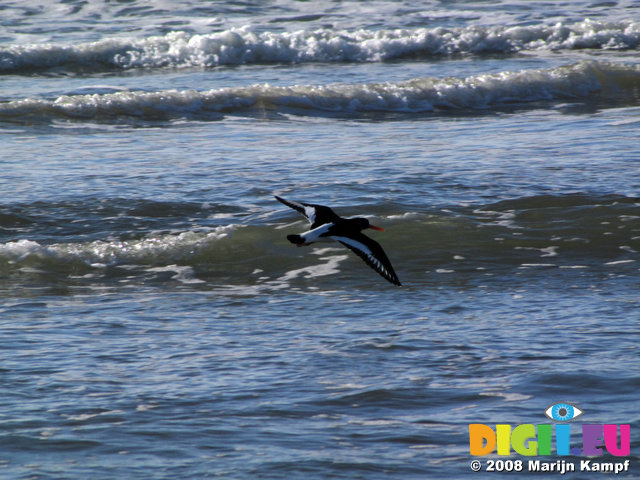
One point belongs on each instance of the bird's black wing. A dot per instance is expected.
(372, 253)
(316, 214)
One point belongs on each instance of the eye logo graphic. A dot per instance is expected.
(563, 412)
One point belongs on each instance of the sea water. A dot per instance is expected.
(155, 322)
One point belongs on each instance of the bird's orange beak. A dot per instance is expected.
(376, 228)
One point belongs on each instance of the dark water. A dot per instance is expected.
(263, 386)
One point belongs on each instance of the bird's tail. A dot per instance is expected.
(296, 239)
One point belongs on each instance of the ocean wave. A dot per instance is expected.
(587, 81)
(243, 46)
(151, 250)
(571, 233)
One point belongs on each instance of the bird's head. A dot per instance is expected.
(363, 223)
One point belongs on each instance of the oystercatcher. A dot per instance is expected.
(327, 225)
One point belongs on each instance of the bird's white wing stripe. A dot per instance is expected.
(364, 249)
(310, 212)
(315, 234)
(355, 244)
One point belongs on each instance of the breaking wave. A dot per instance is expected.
(242, 46)
(550, 232)
(587, 81)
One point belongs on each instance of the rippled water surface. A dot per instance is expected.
(155, 322)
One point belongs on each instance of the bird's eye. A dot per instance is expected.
(563, 412)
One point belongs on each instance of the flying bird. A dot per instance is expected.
(326, 225)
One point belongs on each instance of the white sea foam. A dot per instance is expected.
(243, 46)
(579, 81)
(328, 266)
(183, 274)
(100, 254)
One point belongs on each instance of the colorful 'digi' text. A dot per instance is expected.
(529, 440)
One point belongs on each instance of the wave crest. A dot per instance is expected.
(583, 232)
(242, 46)
(584, 81)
